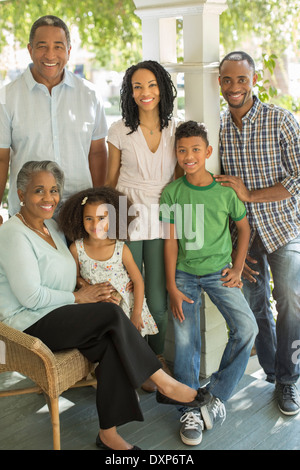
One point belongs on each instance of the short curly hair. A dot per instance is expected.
(168, 93)
(191, 129)
(70, 219)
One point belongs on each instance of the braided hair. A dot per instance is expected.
(168, 93)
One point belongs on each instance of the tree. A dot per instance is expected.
(266, 29)
(112, 31)
(108, 28)
(268, 24)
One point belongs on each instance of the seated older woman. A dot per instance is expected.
(37, 282)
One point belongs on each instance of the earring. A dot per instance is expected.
(22, 204)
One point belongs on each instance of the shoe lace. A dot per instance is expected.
(218, 408)
(192, 420)
(289, 392)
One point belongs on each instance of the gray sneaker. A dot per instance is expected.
(288, 398)
(191, 429)
(213, 412)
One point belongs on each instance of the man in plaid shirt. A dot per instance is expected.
(260, 154)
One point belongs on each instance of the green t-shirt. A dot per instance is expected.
(201, 216)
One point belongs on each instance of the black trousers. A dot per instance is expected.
(104, 334)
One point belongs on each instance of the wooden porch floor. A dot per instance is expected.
(253, 421)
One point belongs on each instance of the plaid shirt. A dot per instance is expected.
(265, 152)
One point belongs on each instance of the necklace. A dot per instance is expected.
(151, 130)
(45, 232)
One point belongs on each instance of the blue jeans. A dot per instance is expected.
(275, 342)
(241, 323)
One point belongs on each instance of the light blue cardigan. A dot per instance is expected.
(35, 278)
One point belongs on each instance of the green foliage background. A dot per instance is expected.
(111, 30)
(274, 24)
(108, 28)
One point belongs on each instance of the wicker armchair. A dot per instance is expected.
(53, 373)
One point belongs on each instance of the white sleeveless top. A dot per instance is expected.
(144, 174)
(113, 271)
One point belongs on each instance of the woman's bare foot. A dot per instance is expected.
(171, 388)
(113, 440)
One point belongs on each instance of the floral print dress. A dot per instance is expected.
(113, 270)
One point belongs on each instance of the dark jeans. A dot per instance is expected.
(103, 333)
(276, 343)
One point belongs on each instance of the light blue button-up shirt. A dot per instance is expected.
(57, 127)
(35, 278)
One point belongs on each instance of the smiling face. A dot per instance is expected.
(95, 220)
(49, 53)
(192, 153)
(237, 80)
(145, 89)
(40, 198)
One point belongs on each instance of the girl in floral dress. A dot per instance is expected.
(95, 222)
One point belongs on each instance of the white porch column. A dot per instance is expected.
(200, 68)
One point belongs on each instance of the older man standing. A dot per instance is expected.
(48, 113)
(260, 152)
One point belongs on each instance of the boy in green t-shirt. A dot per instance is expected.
(195, 210)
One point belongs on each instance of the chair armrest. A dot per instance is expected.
(24, 353)
(18, 337)
(52, 372)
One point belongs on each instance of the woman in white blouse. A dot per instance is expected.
(141, 163)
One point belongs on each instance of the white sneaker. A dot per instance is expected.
(191, 429)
